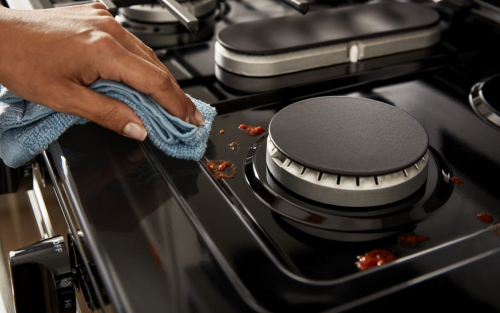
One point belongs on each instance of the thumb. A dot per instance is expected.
(107, 112)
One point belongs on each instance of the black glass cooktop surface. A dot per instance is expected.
(166, 235)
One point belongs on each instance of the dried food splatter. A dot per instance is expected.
(221, 169)
(485, 218)
(234, 146)
(373, 259)
(251, 130)
(223, 166)
(155, 255)
(456, 180)
(410, 240)
(221, 131)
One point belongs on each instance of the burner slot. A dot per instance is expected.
(320, 175)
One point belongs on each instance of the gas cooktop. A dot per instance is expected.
(350, 187)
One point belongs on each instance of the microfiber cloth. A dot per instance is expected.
(27, 129)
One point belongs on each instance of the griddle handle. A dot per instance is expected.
(184, 16)
(300, 5)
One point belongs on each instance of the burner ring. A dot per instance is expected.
(343, 190)
(346, 221)
(484, 99)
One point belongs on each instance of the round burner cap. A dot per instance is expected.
(349, 152)
(348, 136)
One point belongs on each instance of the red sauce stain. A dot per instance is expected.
(223, 166)
(373, 259)
(456, 180)
(155, 255)
(409, 240)
(234, 146)
(485, 218)
(495, 228)
(251, 130)
(221, 169)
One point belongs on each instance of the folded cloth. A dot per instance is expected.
(26, 128)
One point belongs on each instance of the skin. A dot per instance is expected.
(50, 56)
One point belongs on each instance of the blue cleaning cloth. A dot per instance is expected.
(27, 129)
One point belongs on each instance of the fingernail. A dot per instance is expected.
(187, 119)
(199, 118)
(135, 131)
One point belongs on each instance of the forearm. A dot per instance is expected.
(49, 57)
(7, 22)
(4, 29)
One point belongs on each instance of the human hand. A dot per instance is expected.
(50, 56)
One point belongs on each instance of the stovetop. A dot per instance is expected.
(166, 235)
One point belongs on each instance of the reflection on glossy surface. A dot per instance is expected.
(130, 211)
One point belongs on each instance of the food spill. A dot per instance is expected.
(410, 240)
(221, 169)
(456, 180)
(155, 255)
(251, 130)
(485, 218)
(234, 146)
(373, 259)
(223, 166)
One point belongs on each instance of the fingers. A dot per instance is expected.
(105, 111)
(123, 57)
(137, 47)
(148, 78)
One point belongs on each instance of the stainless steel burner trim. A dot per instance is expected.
(166, 35)
(339, 235)
(295, 61)
(348, 191)
(156, 13)
(147, 28)
(481, 107)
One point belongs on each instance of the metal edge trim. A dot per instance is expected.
(64, 174)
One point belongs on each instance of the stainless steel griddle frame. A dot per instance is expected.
(353, 51)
